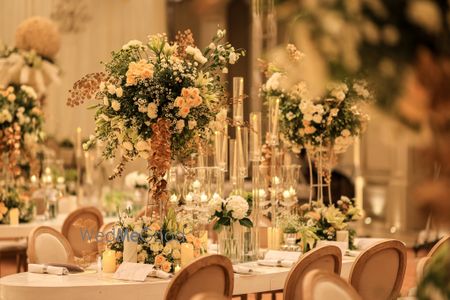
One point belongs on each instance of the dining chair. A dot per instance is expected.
(80, 228)
(16, 247)
(323, 285)
(106, 229)
(208, 274)
(378, 272)
(208, 296)
(46, 245)
(327, 258)
(445, 239)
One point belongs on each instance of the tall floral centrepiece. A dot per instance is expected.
(157, 100)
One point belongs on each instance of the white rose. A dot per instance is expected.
(115, 105)
(345, 133)
(317, 118)
(132, 43)
(225, 70)
(102, 86)
(273, 83)
(142, 146)
(232, 58)
(215, 204)
(152, 111)
(290, 116)
(238, 207)
(212, 46)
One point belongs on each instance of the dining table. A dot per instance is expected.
(94, 285)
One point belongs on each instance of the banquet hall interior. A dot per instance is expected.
(225, 149)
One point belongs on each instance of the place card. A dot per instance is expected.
(133, 271)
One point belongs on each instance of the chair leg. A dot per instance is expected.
(274, 295)
(244, 297)
(258, 296)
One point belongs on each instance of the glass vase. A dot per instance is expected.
(230, 243)
(323, 159)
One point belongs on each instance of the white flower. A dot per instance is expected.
(426, 14)
(196, 54)
(317, 118)
(225, 70)
(29, 91)
(345, 133)
(11, 97)
(180, 125)
(5, 116)
(290, 115)
(135, 179)
(238, 206)
(132, 43)
(192, 124)
(152, 110)
(111, 89)
(233, 58)
(102, 86)
(215, 204)
(212, 46)
(273, 83)
(115, 105)
(105, 101)
(168, 49)
(127, 146)
(119, 92)
(221, 33)
(361, 90)
(142, 146)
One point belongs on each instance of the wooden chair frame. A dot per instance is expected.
(439, 244)
(73, 216)
(31, 251)
(105, 227)
(361, 261)
(200, 263)
(316, 276)
(305, 261)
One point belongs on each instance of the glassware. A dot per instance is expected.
(230, 242)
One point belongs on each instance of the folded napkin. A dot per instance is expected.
(45, 269)
(242, 269)
(287, 263)
(352, 253)
(160, 274)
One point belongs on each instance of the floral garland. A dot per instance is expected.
(158, 244)
(21, 120)
(333, 119)
(10, 198)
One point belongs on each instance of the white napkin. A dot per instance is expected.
(242, 269)
(160, 274)
(352, 253)
(287, 263)
(282, 255)
(269, 262)
(44, 269)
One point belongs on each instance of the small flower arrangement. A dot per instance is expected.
(11, 198)
(21, 120)
(233, 209)
(326, 220)
(157, 244)
(333, 119)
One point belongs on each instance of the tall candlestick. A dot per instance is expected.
(238, 99)
(255, 136)
(78, 148)
(274, 111)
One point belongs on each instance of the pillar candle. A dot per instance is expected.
(109, 261)
(342, 236)
(14, 216)
(129, 251)
(187, 253)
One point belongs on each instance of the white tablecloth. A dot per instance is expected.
(99, 286)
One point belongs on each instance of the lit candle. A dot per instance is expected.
(292, 191)
(173, 198)
(196, 184)
(203, 197)
(14, 216)
(187, 253)
(109, 261)
(286, 194)
(255, 136)
(276, 180)
(189, 197)
(177, 268)
(262, 193)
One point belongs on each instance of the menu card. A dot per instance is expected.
(133, 271)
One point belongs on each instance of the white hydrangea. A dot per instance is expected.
(29, 91)
(196, 54)
(238, 206)
(215, 204)
(5, 116)
(273, 83)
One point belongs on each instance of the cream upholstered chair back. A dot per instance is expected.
(323, 285)
(209, 296)
(46, 245)
(106, 229)
(326, 258)
(378, 272)
(81, 228)
(439, 245)
(207, 274)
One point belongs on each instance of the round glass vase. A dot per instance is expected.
(230, 242)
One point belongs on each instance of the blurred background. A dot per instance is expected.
(384, 168)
